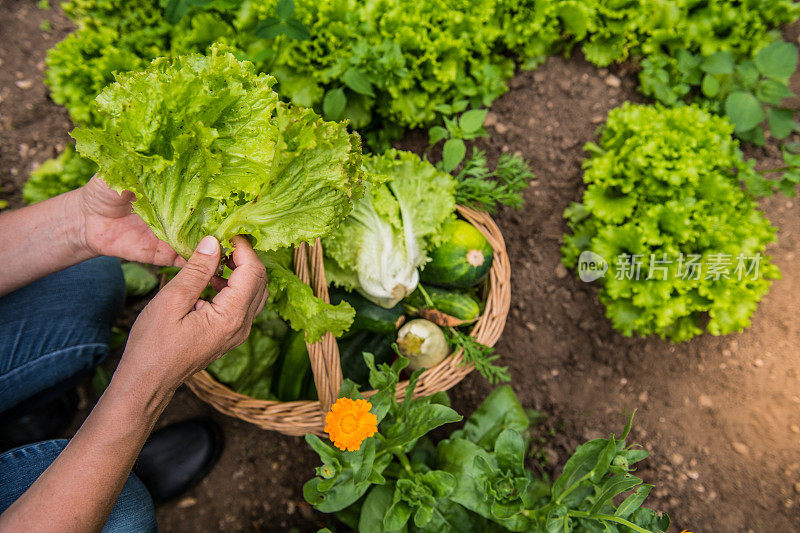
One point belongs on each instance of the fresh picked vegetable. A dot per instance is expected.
(379, 247)
(208, 149)
(462, 259)
(351, 354)
(369, 316)
(248, 369)
(139, 280)
(423, 343)
(292, 369)
(398, 479)
(447, 307)
(472, 351)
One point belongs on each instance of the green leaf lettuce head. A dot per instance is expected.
(208, 149)
(379, 248)
(663, 192)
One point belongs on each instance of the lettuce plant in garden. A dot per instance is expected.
(383, 473)
(610, 32)
(208, 149)
(111, 37)
(750, 92)
(395, 65)
(664, 208)
(58, 175)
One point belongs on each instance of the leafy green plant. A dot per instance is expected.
(663, 207)
(58, 175)
(454, 132)
(484, 189)
(208, 149)
(475, 479)
(750, 92)
(248, 368)
(609, 32)
(283, 23)
(224, 156)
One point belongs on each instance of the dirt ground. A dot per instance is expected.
(720, 414)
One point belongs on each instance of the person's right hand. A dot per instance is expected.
(177, 334)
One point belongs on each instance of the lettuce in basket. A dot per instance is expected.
(208, 149)
(379, 248)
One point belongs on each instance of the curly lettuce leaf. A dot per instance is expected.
(208, 149)
(295, 301)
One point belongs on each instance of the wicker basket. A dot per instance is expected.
(299, 418)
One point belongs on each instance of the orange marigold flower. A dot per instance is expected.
(349, 422)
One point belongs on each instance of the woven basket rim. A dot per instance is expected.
(301, 417)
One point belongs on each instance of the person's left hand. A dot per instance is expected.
(109, 227)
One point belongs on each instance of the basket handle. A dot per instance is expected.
(324, 354)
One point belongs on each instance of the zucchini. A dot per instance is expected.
(309, 389)
(462, 260)
(351, 352)
(292, 368)
(456, 304)
(369, 316)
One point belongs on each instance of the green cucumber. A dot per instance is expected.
(462, 260)
(351, 354)
(292, 368)
(309, 389)
(370, 317)
(453, 303)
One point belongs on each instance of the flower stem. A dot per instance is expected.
(403, 460)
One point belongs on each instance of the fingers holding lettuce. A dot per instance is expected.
(178, 334)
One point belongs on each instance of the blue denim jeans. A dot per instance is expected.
(19, 468)
(53, 333)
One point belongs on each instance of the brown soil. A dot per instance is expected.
(720, 414)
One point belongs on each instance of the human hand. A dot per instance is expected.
(177, 334)
(109, 227)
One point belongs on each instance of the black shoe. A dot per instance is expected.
(21, 425)
(178, 456)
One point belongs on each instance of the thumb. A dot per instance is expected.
(186, 287)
